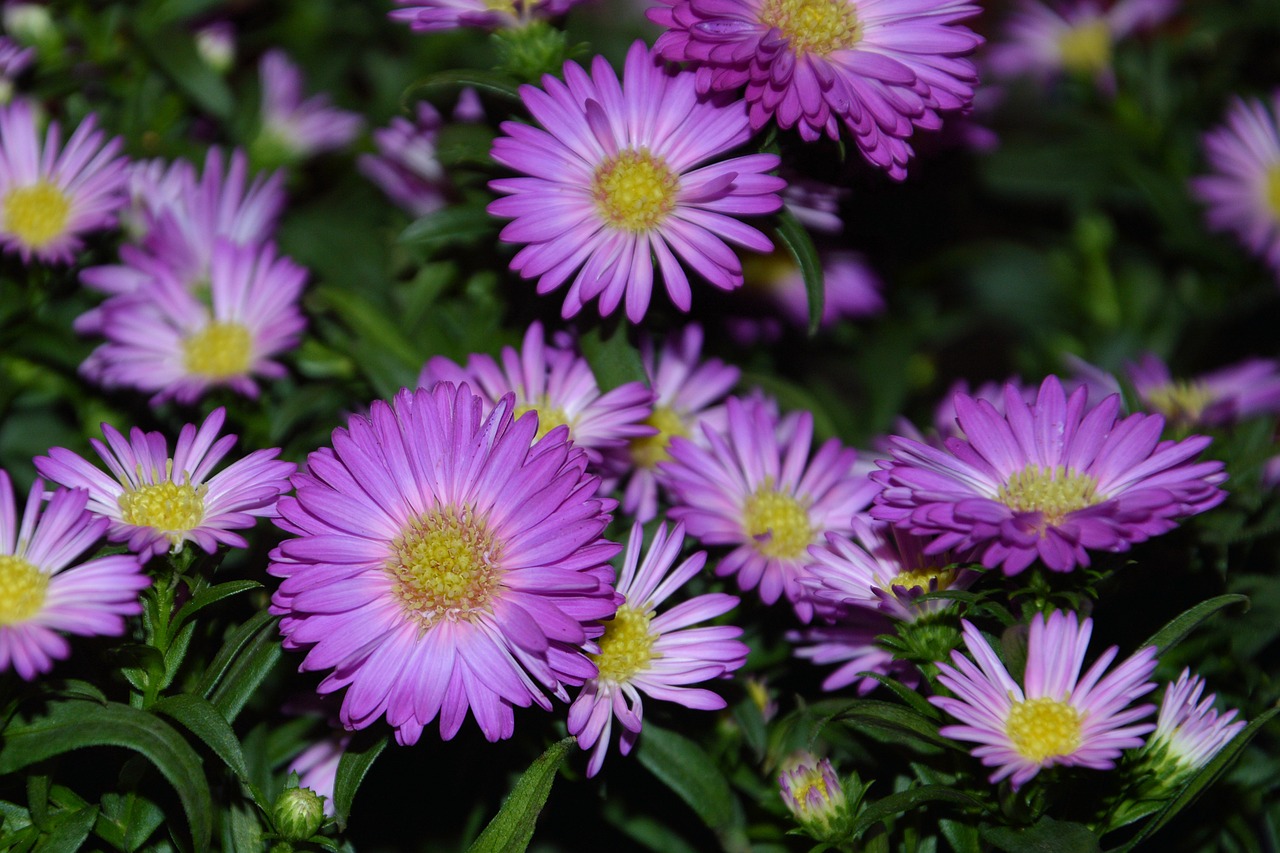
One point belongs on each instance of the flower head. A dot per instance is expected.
(1056, 716)
(850, 290)
(642, 652)
(880, 68)
(615, 179)
(155, 501)
(425, 16)
(1217, 398)
(750, 489)
(42, 595)
(51, 195)
(1189, 731)
(1047, 480)
(443, 561)
(813, 794)
(293, 128)
(851, 642)
(405, 167)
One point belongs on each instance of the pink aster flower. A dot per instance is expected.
(754, 490)
(405, 167)
(851, 290)
(176, 344)
(1218, 398)
(558, 384)
(156, 502)
(1048, 480)
(424, 16)
(851, 642)
(1056, 717)
(1242, 191)
(293, 128)
(443, 561)
(51, 195)
(642, 652)
(880, 67)
(1189, 731)
(317, 766)
(43, 594)
(615, 180)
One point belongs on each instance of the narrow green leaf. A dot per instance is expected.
(205, 722)
(352, 767)
(464, 145)
(212, 595)
(452, 82)
(798, 242)
(74, 724)
(512, 827)
(907, 726)
(173, 49)
(685, 768)
(1046, 836)
(1183, 624)
(176, 653)
(371, 323)
(246, 673)
(128, 820)
(904, 801)
(917, 702)
(69, 831)
(613, 359)
(459, 225)
(257, 625)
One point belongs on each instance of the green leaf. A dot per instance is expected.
(352, 767)
(904, 801)
(246, 673)
(798, 242)
(212, 595)
(205, 722)
(1183, 624)
(74, 724)
(464, 145)
(685, 768)
(258, 624)
(613, 359)
(1046, 836)
(451, 82)
(370, 323)
(458, 225)
(69, 831)
(174, 50)
(512, 827)
(128, 820)
(904, 725)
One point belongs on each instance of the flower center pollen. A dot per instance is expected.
(219, 350)
(648, 450)
(1053, 492)
(635, 191)
(1273, 190)
(1086, 47)
(778, 524)
(446, 567)
(22, 589)
(549, 416)
(172, 508)
(814, 27)
(626, 647)
(37, 214)
(1044, 728)
(925, 578)
(1182, 402)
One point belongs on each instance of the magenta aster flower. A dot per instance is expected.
(657, 655)
(1047, 480)
(558, 384)
(294, 127)
(317, 766)
(42, 593)
(155, 502)
(851, 642)
(880, 67)
(441, 564)
(813, 794)
(1189, 731)
(851, 289)
(614, 181)
(405, 167)
(424, 16)
(1242, 191)
(51, 195)
(1218, 398)
(175, 344)
(751, 489)
(1056, 716)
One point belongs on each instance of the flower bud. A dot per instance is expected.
(298, 813)
(815, 797)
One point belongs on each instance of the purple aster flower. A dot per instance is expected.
(44, 595)
(657, 655)
(813, 794)
(944, 414)
(814, 203)
(755, 490)
(615, 181)
(176, 344)
(317, 766)
(50, 195)
(1242, 191)
(433, 15)
(155, 501)
(851, 642)
(880, 67)
(1075, 36)
(294, 128)
(688, 390)
(1048, 480)
(405, 167)
(444, 562)
(1056, 716)
(1217, 398)
(14, 59)
(851, 289)
(558, 384)
(1189, 731)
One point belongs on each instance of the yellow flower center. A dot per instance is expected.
(22, 589)
(648, 450)
(1086, 47)
(1273, 190)
(1054, 492)
(778, 523)
(445, 565)
(814, 27)
(923, 578)
(766, 273)
(626, 647)
(172, 508)
(1180, 401)
(219, 350)
(549, 416)
(635, 191)
(507, 6)
(37, 215)
(1043, 728)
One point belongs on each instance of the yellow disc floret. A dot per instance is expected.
(635, 191)
(219, 351)
(1180, 402)
(1272, 189)
(814, 27)
(445, 566)
(36, 214)
(1054, 492)
(549, 416)
(1086, 47)
(172, 508)
(926, 578)
(626, 647)
(778, 523)
(648, 450)
(22, 589)
(1044, 728)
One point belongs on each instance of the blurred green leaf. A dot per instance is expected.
(613, 359)
(173, 49)
(512, 827)
(212, 595)
(452, 82)
(904, 801)
(1046, 836)
(1186, 622)
(461, 225)
(685, 768)
(205, 722)
(798, 242)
